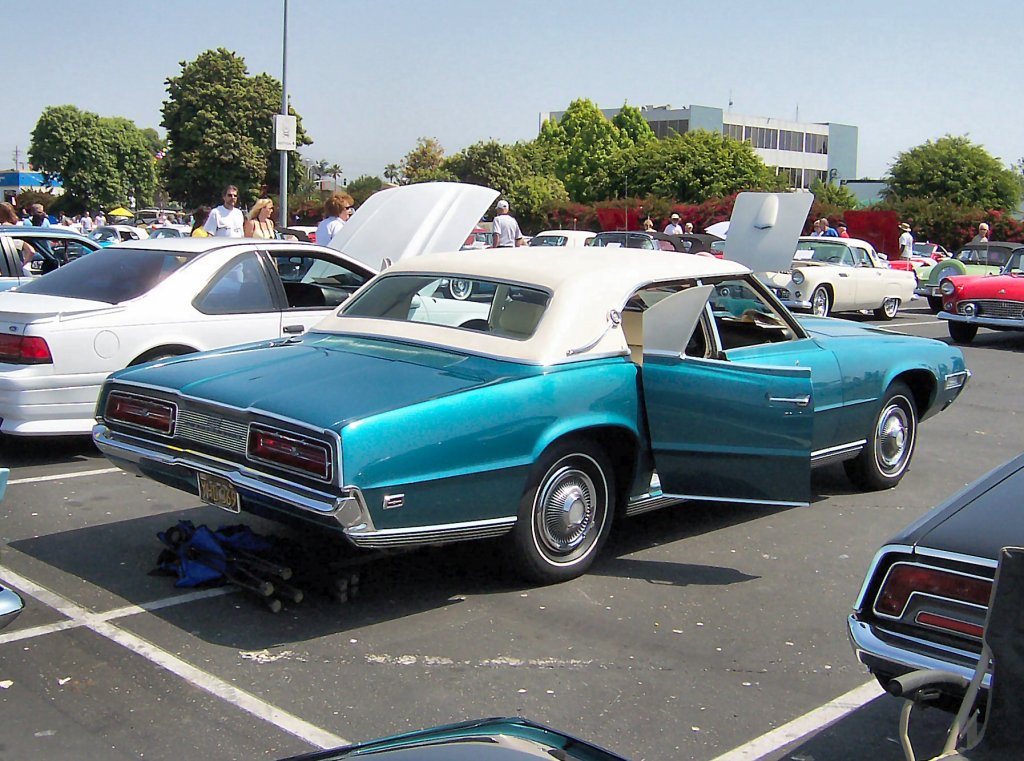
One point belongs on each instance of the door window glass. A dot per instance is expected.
(240, 288)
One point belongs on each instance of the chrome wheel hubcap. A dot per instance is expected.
(894, 438)
(820, 303)
(565, 512)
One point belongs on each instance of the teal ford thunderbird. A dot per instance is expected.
(586, 386)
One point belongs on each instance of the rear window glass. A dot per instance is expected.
(112, 275)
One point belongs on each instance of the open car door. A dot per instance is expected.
(721, 430)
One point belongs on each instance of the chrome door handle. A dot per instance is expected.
(799, 401)
(844, 274)
(293, 329)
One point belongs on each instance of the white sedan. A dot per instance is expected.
(841, 275)
(141, 301)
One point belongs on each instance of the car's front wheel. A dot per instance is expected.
(935, 304)
(565, 513)
(888, 309)
(885, 457)
(821, 301)
(962, 333)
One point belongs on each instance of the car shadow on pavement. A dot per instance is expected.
(19, 451)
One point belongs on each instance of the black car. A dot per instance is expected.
(638, 239)
(924, 600)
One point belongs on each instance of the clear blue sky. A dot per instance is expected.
(370, 77)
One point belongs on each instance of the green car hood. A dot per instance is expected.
(323, 380)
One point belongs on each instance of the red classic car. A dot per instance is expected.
(925, 255)
(970, 302)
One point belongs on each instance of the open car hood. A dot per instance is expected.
(413, 220)
(764, 229)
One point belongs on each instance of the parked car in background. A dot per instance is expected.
(972, 259)
(54, 246)
(481, 237)
(596, 381)
(562, 238)
(305, 233)
(139, 301)
(169, 230)
(925, 597)
(648, 241)
(928, 250)
(970, 302)
(108, 235)
(10, 602)
(695, 243)
(841, 275)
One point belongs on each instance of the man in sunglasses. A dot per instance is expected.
(227, 220)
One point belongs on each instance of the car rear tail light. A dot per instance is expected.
(904, 581)
(290, 451)
(25, 350)
(140, 412)
(937, 621)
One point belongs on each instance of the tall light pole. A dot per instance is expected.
(284, 112)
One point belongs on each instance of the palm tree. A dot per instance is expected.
(334, 170)
(319, 168)
(391, 173)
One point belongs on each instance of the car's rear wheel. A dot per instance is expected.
(935, 304)
(885, 457)
(821, 301)
(962, 333)
(565, 513)
(888, 309)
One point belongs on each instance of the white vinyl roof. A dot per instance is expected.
(585, 283)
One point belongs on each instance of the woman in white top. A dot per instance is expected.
(259, 224)
(8, 216)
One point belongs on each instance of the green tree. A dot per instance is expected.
(956, 169)
(392, 173)
(363, 187)
(631, 123)
(487, 163)
(101, 161)
(584, 143)
(219, 123)
(334, 170)
(839, 196)
(692, 168)
(533, 198)
(425, 162)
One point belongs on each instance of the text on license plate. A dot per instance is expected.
(218, 492)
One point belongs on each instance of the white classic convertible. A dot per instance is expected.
(62, 334)
(841, 275)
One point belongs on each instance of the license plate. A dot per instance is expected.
(218, 492)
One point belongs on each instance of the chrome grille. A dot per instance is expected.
(212, 430)
(1013, 310)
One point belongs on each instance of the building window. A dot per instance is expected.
(791, 141)
(761, 137)
(815, 143)
(794, 176)
(810, 175)
(735, 131)
(669, 127)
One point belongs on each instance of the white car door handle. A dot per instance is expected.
(799, 401)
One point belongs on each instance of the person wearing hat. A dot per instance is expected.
(906, 241)
(506, 229)
(842, 230)
(673, 227)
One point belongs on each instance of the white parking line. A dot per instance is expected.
(205, 681)
(63, 476)
(809, 723)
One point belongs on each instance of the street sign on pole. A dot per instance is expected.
(284, 132)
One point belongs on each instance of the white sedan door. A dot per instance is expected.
(240, 304)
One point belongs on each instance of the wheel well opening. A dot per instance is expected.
(922, 388)
(620, 446)
(170, 350)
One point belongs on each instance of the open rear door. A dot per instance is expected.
(721, 430)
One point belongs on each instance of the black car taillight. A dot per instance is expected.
(140, 412)
(290, 451)
(25, 350)
(904, 581)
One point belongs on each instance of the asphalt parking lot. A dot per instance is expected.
(707, 632)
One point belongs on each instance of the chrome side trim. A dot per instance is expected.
(957, 557)
(869, 647)
(889, 549)
(836, 453)
(736, 500)
(645, 503)
(440, 534)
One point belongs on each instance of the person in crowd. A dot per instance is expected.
(843, 233)
(99, 220)
(36, 216)
(648, 225)
(199, 217)
(982, 236)
(337, 210)
(227, 220)
(673, 227)
(506, 229)
(85, 221)
(688, 228)
(827, 230)
(906, 244)
(8, 216)
(260, 224)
